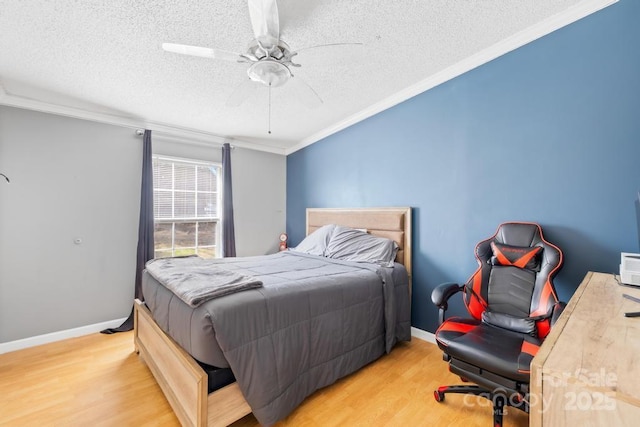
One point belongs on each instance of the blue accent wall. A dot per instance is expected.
(548, 133)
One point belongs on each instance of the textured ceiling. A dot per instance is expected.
(106, 57)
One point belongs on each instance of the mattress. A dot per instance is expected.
(192, 328)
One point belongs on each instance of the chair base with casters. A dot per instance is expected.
(497, 394)
(513, 305)
(499, 399)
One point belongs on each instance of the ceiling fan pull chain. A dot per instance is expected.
(269, 108)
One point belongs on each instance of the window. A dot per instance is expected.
(186, 200)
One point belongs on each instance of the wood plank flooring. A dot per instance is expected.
(98, 380)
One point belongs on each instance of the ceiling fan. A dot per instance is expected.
(270, 58)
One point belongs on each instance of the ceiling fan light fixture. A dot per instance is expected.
(269, 72)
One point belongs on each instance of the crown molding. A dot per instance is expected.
(513, 42)
(180, 134)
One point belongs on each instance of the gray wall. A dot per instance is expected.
(259, 200)
(72, 179)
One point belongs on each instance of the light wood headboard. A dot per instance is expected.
(392, 223)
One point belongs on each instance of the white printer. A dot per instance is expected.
(630, 268)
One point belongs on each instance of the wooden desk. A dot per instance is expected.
(587, 372)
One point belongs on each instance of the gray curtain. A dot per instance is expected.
(228, 229)
(145, 228)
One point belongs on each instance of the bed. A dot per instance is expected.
(186, 384)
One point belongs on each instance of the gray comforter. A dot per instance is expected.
(314, 321)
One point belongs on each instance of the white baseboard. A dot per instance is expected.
(6, 347)
(423, 335)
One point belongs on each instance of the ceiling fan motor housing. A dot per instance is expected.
(269, 72)
(271, 66)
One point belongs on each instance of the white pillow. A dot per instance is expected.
(316, 242)
(349, 244)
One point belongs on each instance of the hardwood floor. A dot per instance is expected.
(98, 380)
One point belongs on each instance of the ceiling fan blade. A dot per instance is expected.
(241, 93)
(265, 22)
(330, 45)
(203, 52)
(305, 93)
(329, 54)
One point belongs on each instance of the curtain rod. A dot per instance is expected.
(140, 132)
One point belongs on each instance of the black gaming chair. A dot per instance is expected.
(513, 305)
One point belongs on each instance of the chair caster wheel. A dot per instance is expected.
(438, 395)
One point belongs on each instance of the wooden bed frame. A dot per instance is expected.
(184, 382)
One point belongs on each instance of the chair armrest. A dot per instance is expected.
(441, 294)
(558, 308)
